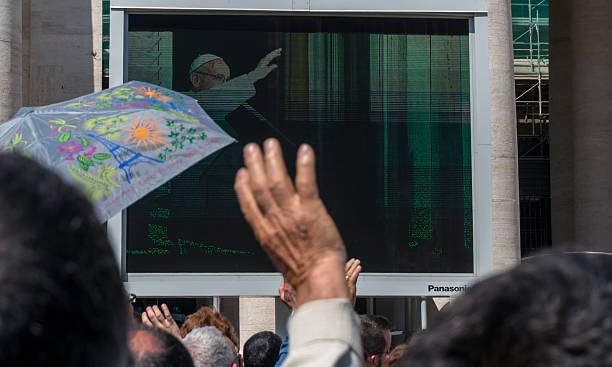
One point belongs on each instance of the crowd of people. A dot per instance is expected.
(62, 301)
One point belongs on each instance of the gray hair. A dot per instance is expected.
(209, 348)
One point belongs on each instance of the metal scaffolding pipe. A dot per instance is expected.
(10, 58)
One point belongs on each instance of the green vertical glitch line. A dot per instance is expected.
(468, 223)
(419, 132)
(385, 122)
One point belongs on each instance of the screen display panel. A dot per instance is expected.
(385, 102)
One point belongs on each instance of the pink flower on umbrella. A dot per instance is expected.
(70, 147)
(89, 151)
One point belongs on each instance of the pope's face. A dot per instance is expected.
(212, 74)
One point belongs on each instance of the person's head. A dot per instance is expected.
(261, 350)
(206, 316)
(61, 298)
(152, 347)
(551, 310)
(376, 338)
(208, 71)
(209, 348)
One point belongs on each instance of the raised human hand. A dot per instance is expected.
(291, 222)
(153, 317)
(287, 294)
(351, 273)
(264, 67)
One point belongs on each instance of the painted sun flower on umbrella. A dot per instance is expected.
(146, 132)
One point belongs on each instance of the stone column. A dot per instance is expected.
(504, 152)
(256, 314)
(26, 38)
(96, 38)
(10, 58)
(561, 127)
(581, 127)
(61, 50)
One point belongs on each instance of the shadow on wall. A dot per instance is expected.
(62, 50)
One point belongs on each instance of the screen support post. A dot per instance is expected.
(423, 313)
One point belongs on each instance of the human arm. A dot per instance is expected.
(283, 352)
(325, 333)
(291, 222)
(293, 227)
(287, 295)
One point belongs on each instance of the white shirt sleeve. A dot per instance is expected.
(324, 333)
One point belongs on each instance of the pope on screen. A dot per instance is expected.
(217, 93)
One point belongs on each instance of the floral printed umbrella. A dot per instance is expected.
(118, 144)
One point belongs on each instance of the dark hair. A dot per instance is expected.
(377, 320)
(552, 310)
(373, 329)
(152, 347)
(261, 350)
(61, 299)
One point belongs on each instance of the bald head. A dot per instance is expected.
(144, 343)
(154, 347)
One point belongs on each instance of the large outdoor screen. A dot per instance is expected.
(385, 102)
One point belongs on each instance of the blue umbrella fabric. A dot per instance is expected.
(118, 144)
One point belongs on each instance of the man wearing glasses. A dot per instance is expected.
(217, 93)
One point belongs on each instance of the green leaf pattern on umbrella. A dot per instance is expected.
(180, 137)
(96, 186)
(102, 156)
(64, 137)
(85, 162)
(16, 144)
(60, 124)
(106, 125)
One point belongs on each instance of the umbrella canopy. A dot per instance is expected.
(118, 144)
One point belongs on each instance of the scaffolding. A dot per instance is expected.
(531, 60)
(105, 42)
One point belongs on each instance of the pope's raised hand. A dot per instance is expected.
(264, 66)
